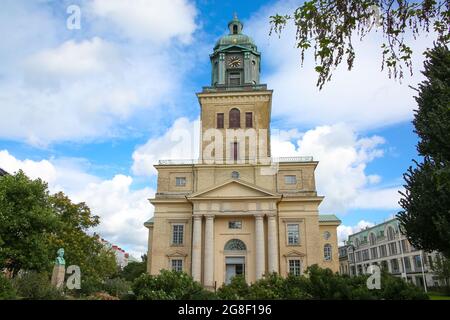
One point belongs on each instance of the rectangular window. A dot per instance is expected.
(180, 181)
(392, 248)
(234, 78)
(351, 257)
(417, 263)
(358, 256)
(383, 252)
(234, 151)
(293, 234)
(407, 263)
(249, 120)
(177, 265)
(220, 121)
(365, 254)
(177, 234)
(234, 224)
(294, 267)
(394, 266)
(374, 253)
(290, 180)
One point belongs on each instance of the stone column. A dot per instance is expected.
(150, 247)
(272, 243)
(208, 277)
(259, 246)
(197, 248)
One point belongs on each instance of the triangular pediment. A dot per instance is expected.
(234, 189)
(294, 253)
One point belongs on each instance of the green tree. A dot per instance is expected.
(26, 223)
(237, 289)
(81, 249)
(134, 269)
(441, 267)
(331, 26)
(425, 217)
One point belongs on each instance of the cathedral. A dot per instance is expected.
(236, 210)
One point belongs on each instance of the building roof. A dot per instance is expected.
(328, 218)
(378, 230)
(235, 39)
(3, 172)
(148, 222)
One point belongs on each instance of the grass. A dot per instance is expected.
(438, 296)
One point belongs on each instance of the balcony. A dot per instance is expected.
(255, 161)
(230, 88)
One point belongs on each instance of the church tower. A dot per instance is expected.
(236, 210)
(235, 109)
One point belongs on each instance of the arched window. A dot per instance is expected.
(235, 118)
(235, 245)
(390, 233)
(235, 29)
(372, 239)
(327, 252)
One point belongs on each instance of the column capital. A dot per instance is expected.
(197, 216)
(272, 215)
(209, 216)
(258, 216)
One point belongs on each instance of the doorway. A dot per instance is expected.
(234, 266)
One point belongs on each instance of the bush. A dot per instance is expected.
(395, 288)
(117, 287)
(237, 289)
(36, 286)
(7, 291)
(169, 285)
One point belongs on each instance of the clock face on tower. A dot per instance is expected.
(234, 62)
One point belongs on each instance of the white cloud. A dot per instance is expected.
(180, 141)
(122, 209)
(152, 20)
(344, 231)
(341, 174)
(386, 198)
(364, 97)
(85, 88)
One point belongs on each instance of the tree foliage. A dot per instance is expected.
(441, 268)
(425, 217)
(320, 284)
(331, 26)
(34, 224)
(134, 269)
(169, 285)
(26, 223)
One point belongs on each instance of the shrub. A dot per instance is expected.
(169, 285)
(395, 288)
(237, 289)
(271, 286)
(7, 291)
(36, 286)
(117, 287)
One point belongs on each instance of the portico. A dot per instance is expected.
(213, 212)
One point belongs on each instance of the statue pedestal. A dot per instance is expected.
(59, 272)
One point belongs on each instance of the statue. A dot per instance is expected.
(59, 270)
(60, 258)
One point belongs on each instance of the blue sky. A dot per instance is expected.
(89, 110)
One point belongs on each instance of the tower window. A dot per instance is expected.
(235, 29)
(234, 79)
(234, 151)
(249, 120)
(220, 121)
(235, 118)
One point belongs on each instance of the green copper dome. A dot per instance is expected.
(235, 37)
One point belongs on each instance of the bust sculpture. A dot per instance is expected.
(60, 258)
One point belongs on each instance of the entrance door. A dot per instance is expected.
(234, 266)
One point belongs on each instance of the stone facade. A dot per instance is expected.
(384, 245)
(236, 210)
